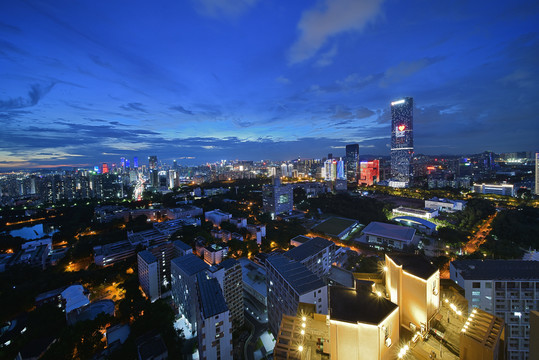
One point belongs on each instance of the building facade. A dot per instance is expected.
(369, 172)
(277, 198)
(148, 274)
(352, 161)
(289, 283)
(508, 289)
(402, 139)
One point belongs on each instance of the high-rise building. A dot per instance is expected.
(289, 282)
(148, 274)
(152, 162)
(508, 289)
(135, 162)
(369, 172)
(277, 199)
(229, 275)
(352, 161)
(537, 173)
(214, 326)
(402, 139)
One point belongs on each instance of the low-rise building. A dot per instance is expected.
(482, 337)
(497, 189)
(215, 253)
(388, 235)
(181, 248)
(216, 217)
(427, 213)
(447, 205)
(110, 254)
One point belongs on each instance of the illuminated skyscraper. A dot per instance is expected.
(152, 162)
(402, 139)
(537, 173)
(352, 160)
(135, 162)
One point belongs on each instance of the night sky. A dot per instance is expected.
(83, 82)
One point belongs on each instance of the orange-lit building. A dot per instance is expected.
(413, 283)
(369, 172)
(482, 337)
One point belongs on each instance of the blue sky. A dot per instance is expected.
(83, 82)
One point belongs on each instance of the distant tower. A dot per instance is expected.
(402, 139)
(152, 162)
(135, 162)
(537, 173)
(352, 160)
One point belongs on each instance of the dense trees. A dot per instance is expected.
(363, 209)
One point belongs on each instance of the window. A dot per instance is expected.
(476, 293)
(488, 285)
(476, 285)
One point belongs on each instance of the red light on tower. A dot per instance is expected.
(402, 127)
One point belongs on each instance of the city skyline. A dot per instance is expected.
(207, 80)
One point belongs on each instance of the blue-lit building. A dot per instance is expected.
(402, 139)
(184, 270)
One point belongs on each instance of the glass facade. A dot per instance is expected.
(402, 139)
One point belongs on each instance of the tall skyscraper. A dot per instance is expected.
(135, 162)
(152, 162)
(537, 173)
(402, 139)
(352, 160)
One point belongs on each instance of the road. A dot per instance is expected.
(480, 236)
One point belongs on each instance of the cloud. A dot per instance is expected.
(334, 17)
(327, 57)
(9, 28)
(36, 93)
(181, 109)
(281, 79)
(7, 47)
(136, 106)
(223, 8)
(97, 60)
(406, 68)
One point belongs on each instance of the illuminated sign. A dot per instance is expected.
(398, 102)
(399, 130)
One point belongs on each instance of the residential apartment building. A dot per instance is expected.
(229, 275)
(317, 254)
(214, 328)
(183, 278)
(148, 274)
(289, 282)
(508, 289)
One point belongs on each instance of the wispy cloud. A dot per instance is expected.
(223, 8)
(134, 106)
(181, 109)
(36, 93)
(407, 68)
(328, 19)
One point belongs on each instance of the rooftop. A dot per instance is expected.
(334, 226)
(413, 219)
(296, 274)
(497, 269)
(308, 249)
(190, 264)
(212, 300)
(414, 264)
(181, 245)
(229, 263)
(483, 328)
(358, 306)
(396, 232)
(300, 239)
(147, 257)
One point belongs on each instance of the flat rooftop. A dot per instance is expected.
(190, 264)
(414, 264)
(147, 257)
(358, 306)
(335, 225)
(296, 274)
(391, 231)
(212, 300)
(253, 275)
(308, 249)
(181, 245)
(497, 269)
(416, 220)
